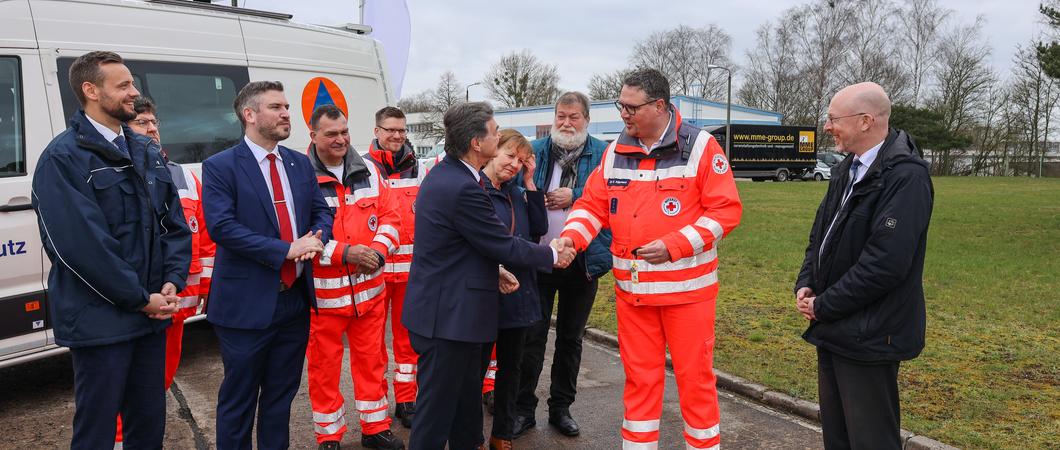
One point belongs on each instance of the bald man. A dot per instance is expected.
(861, 283)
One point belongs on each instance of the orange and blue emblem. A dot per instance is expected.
(321, 91)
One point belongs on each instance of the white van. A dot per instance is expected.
(191, 58)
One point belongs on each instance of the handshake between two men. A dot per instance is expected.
(565, 254)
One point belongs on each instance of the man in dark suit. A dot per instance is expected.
(453, 292)
(861, 283)
(258, 196)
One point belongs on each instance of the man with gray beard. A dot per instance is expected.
(564, 161)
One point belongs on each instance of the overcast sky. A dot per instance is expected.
(583, 37)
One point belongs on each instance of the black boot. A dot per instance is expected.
(521, 424)
(562, 421)
(404, 412)
(384, 440)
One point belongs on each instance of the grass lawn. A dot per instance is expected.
(990, 375)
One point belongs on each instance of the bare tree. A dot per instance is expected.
(874, 54)
(921, 22)
(521, 79)
(1034, 97)
(434, 103)
(772, 76)
(683, 54)
(964, 76)
(605, 86)
(448, 93)
(822, 35)
(416, 103)
(963, 82)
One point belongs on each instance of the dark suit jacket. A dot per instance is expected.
(241, 219)
(453, 289)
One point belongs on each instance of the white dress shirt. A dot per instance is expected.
(261, 155)
(663, 136)
(866, 159)
(107, 133)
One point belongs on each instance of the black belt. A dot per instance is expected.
(284, 287)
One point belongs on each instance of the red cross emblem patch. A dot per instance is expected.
(719, 164)
(671, 206)
(373, 222)
(193, 224)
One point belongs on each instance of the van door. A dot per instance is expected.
(24, 132)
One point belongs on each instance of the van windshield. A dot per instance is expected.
(194, 104)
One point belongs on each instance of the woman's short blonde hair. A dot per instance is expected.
(508, 135)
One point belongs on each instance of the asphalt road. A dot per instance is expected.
(36, 407)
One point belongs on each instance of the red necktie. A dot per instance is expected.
(287, 271)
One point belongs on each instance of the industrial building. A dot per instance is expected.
(605, 122)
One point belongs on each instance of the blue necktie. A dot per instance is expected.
(853, 176)
(123, 147)
(854, 166)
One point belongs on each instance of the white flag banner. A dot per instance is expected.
(392, 26)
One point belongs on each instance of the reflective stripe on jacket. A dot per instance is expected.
(364, 214)
(682, 192)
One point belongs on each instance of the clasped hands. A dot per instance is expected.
(306, 247)
(804, 299)
(564, 251)
(162, 305)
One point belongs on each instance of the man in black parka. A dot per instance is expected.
(861, 282)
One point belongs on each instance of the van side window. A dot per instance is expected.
(194, 104)
(12, 138)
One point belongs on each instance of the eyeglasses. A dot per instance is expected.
(832, 120)
(632, 109)
(398, 131)
(144, 122)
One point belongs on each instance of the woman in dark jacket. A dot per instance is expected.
(522, 210)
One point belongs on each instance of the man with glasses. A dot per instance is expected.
(396, 160)
(861, 282)
(675, 178)
(564, 161)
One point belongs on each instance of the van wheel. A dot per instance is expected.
(782, 175)
(818, 177)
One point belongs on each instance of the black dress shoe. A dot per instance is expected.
(329, 445)
(522, 424)
(404, 412)
(384, 440)
(563, 422)
(488, 399)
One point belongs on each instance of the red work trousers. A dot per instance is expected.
(644, 335)
(404, 356)
(324, 354)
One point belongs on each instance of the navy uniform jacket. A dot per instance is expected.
(521, 308)
(114, 230)
(453, 288)
(241, 219)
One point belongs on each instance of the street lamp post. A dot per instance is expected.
(467, 91)
(728, 108)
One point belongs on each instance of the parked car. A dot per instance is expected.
(820, 173)
(830, 158)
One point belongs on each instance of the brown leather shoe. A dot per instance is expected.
(500, 444)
